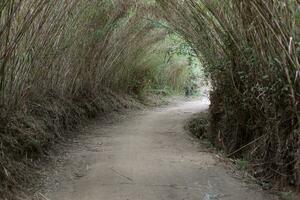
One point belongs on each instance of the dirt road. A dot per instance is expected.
(149, 156)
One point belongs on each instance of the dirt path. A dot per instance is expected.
(148, 157)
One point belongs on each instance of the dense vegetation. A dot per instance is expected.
(251, 51)
(65, 61)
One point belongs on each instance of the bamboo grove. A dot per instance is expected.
(251, 51)
(62, 61)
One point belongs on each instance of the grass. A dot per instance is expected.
(288, 196)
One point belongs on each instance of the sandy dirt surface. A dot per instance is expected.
(145, 156)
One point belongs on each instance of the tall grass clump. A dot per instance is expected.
(64, 61)
(251, 51)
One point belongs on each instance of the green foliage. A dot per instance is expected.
(242, 164)
(169, 65)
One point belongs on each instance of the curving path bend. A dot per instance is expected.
(150, 157)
